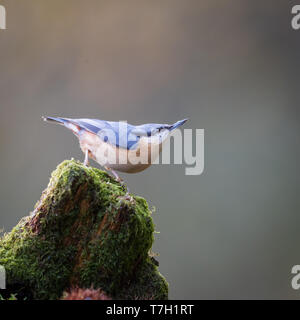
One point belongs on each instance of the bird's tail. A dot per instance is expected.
(52, 119)
(66, 122)
(178, 124)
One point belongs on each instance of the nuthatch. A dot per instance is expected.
(118, 145)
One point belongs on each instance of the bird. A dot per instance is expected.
(118, 145)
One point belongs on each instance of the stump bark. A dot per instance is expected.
(83, 233)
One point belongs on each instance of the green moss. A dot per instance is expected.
(83, 232)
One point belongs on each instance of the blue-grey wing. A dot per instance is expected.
(116, 133)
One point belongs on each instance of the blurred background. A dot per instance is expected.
(230, 66)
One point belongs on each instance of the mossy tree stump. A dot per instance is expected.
(85, 233)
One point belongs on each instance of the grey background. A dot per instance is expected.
(230, 66)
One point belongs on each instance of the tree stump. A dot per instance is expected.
(84, 233)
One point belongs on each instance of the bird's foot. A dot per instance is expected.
(115, 175)
(86, 158)
(120, 180)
